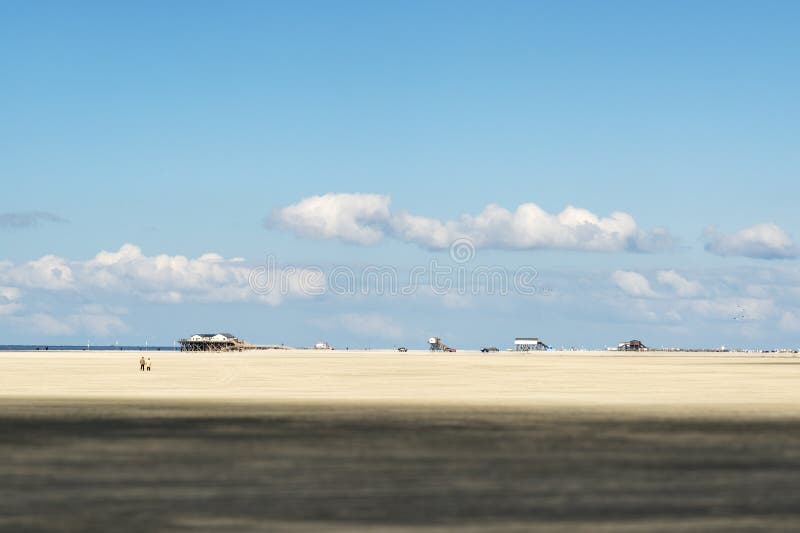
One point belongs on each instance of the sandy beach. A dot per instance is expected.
(686, 383)
(381, 441)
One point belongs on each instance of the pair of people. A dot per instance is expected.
(144, 364)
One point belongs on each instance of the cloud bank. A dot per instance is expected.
(162, 278)
(365, 219)
(761, 241)
(50, 296)
(28, 289)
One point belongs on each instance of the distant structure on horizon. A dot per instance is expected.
(222, 342)
(632, 346)
(527, 344)
(437, 345)
(215, 342)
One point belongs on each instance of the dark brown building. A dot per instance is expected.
(632, 346)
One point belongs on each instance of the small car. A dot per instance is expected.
(487, 349)
(402, 349)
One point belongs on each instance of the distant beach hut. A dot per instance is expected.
(634, 345)
(527, 344)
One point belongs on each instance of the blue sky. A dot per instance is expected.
(190, 128)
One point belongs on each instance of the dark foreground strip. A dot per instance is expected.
(128, 467)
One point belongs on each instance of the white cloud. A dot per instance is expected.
(724, 299)
(49, 272)
(348, 217)
(425, 231)
(8, 300)
(528, 227)
(761, 241)
(130, 270)
(9, 294)
(679, 284)
(715, 312)
(633, 284)
(175, 278)
(366, 219)
(162, 278)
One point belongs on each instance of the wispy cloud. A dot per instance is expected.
(733, 304)
(633, 284)
(681, 285)
(90, 319)
(9, 297)
(761, 241)
(28, 219)
(366, 219)
(48, 296)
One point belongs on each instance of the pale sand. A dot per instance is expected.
(683, 384)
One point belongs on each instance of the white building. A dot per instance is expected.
(526, 344)
(204, 342)
(212, 337)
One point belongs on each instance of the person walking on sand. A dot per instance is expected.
(141, 363)
(148, 364)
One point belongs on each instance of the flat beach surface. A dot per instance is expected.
(380, 441)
